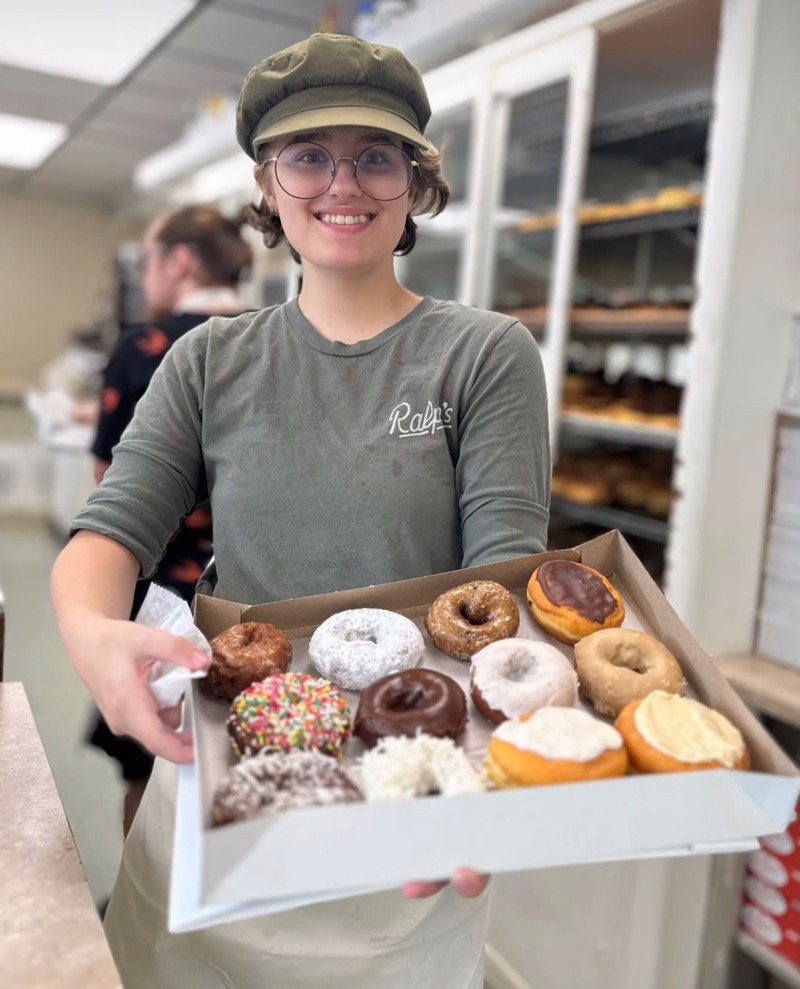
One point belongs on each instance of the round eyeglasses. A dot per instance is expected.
(307, 170)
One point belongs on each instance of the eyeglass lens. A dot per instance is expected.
(307, 170)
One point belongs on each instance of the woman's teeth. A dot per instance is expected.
(344, 219)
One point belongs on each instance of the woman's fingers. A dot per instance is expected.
(146, 724)
(466, 882)
(419, 890)
(153, 644)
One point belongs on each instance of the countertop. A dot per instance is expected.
(50, 934)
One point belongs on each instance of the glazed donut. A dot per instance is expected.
(273, 782)
(665, 733)
(554, 745)
(518, 676)
(570, 600)
(619, 665)
(468, 617)
(355, 648)
(410, 701)
(245, 653)
(401, 768)
(288, 712)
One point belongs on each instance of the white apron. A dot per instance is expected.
(381, 941)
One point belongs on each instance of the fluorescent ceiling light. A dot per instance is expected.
(96, 40)
(25, 142)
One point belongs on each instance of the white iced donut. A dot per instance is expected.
(355, 648)
(519, 676)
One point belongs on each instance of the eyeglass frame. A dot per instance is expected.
(335, 161)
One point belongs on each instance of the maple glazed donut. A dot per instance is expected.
(468, 617)
(570, 600)
(619, 665)
(411, 701)
(665, 733)
(357, 647)
(244, 654)
(519, 676)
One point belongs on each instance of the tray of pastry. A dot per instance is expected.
(568, 738)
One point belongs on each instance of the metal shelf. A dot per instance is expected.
(655, 530)
(650, 223)
(668, 324)
(780, 967)
(619, 432)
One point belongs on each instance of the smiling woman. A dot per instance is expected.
(356, 435)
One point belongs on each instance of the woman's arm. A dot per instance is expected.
(503, 466)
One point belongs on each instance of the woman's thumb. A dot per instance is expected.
(173, 649)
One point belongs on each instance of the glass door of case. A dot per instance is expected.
(520, 254)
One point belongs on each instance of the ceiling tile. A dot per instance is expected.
(236, 39)
(311, 10)
(176, 108)
(37, 94)
(111, 131)
(9, 178)
(171, 71)
(82, 159)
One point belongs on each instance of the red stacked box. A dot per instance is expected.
(771, 896)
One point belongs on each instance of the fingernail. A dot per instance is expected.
(199, 661)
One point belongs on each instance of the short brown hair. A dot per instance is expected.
(429, 186)
(215, 240)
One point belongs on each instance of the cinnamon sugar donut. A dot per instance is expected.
(619, 665)
(245, 654)
(468, 617)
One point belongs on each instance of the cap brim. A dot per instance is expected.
(324, 118)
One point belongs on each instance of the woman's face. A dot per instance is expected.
(342, 229)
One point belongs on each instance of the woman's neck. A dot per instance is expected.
(351, 309)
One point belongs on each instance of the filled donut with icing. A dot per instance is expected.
(554, 745)
(570, 600)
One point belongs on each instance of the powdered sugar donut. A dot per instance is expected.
(520, 676)
(357, 647)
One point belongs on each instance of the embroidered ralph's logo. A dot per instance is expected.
(404, 422)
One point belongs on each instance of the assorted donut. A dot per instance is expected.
(290, 730)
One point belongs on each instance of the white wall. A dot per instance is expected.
(54, 256)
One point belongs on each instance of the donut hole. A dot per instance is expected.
(406, 699)
(628, 659)
(475, 614)
(354, 635)
(518, 668)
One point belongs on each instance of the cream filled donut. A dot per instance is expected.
(554, 745)
(519, 676)
(357, 647)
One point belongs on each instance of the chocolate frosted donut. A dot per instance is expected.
(468, 617)
(571, 600)
(245, 654)
(270, 783)
(411, 701)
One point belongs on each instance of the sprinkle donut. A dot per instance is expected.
(289, 712)
(357, 647)
(520, 676)
(272, 782)
(465, 619)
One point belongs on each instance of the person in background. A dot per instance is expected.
(356, 435)
(194, 259)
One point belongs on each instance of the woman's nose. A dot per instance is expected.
(344, 177)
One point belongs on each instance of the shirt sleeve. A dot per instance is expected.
(157, 475)
(119, 396)
(503, 466)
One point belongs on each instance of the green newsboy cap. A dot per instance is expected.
(332, 80)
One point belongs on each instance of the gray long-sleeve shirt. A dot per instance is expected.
(332, 466)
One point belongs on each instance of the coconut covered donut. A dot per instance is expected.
(519, 676)
(357, 647)
(467, 618)
(401, 768)
(619, 665)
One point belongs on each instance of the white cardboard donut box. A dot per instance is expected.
(311, 855)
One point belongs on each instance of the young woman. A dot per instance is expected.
(356, 435)
(194, 259)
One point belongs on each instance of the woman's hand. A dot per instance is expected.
(466, 882)
(114, 660)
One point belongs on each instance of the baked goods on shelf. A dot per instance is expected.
(409, 702)
(618, 665)
(465, 619)
(271, 783)
(570, 600)
(554, 745)
(356, 647)
(244, 654)
(519, 676)
(289, 712)
(666, 733)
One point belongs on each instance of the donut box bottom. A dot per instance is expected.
(312, 855)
